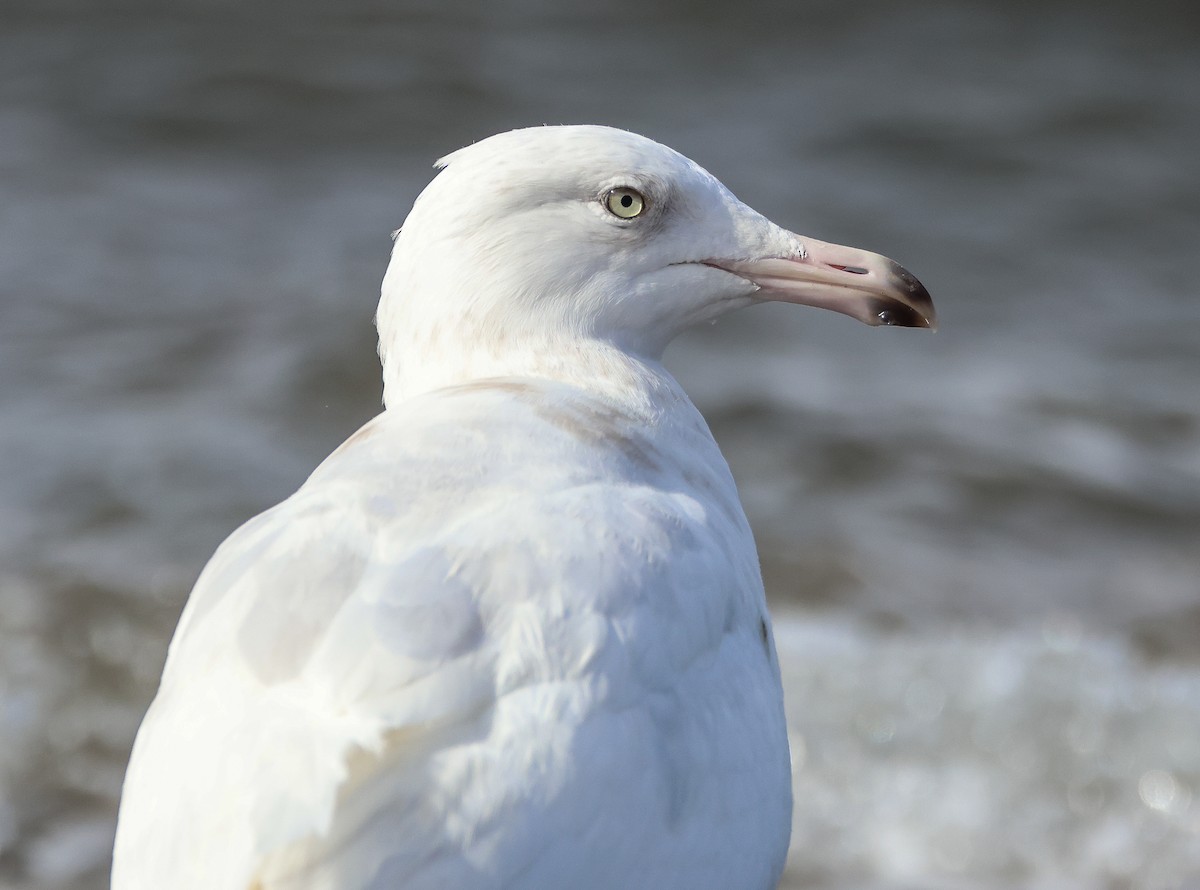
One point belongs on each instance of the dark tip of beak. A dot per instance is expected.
(916, 312)
(889, 312)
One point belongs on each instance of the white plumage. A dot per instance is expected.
(512, 633)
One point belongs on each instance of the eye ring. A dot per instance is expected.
(624, 202)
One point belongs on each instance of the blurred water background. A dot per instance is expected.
(982, 546)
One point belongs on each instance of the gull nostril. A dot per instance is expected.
(853, 270)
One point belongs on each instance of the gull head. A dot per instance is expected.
(544, 241)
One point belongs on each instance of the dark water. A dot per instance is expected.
(984, 545)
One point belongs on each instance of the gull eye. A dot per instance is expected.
(625, 202)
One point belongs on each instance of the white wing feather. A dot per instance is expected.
(395, 677)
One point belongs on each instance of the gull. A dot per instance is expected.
(512, 633)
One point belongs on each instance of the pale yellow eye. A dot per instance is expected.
(625, 202)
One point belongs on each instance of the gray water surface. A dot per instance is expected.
(982, 546)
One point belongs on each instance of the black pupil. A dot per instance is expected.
(626, 200)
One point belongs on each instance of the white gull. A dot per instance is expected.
(512, 633)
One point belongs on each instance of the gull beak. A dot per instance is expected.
(858, 283)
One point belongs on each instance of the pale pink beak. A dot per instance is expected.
(859, 283)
